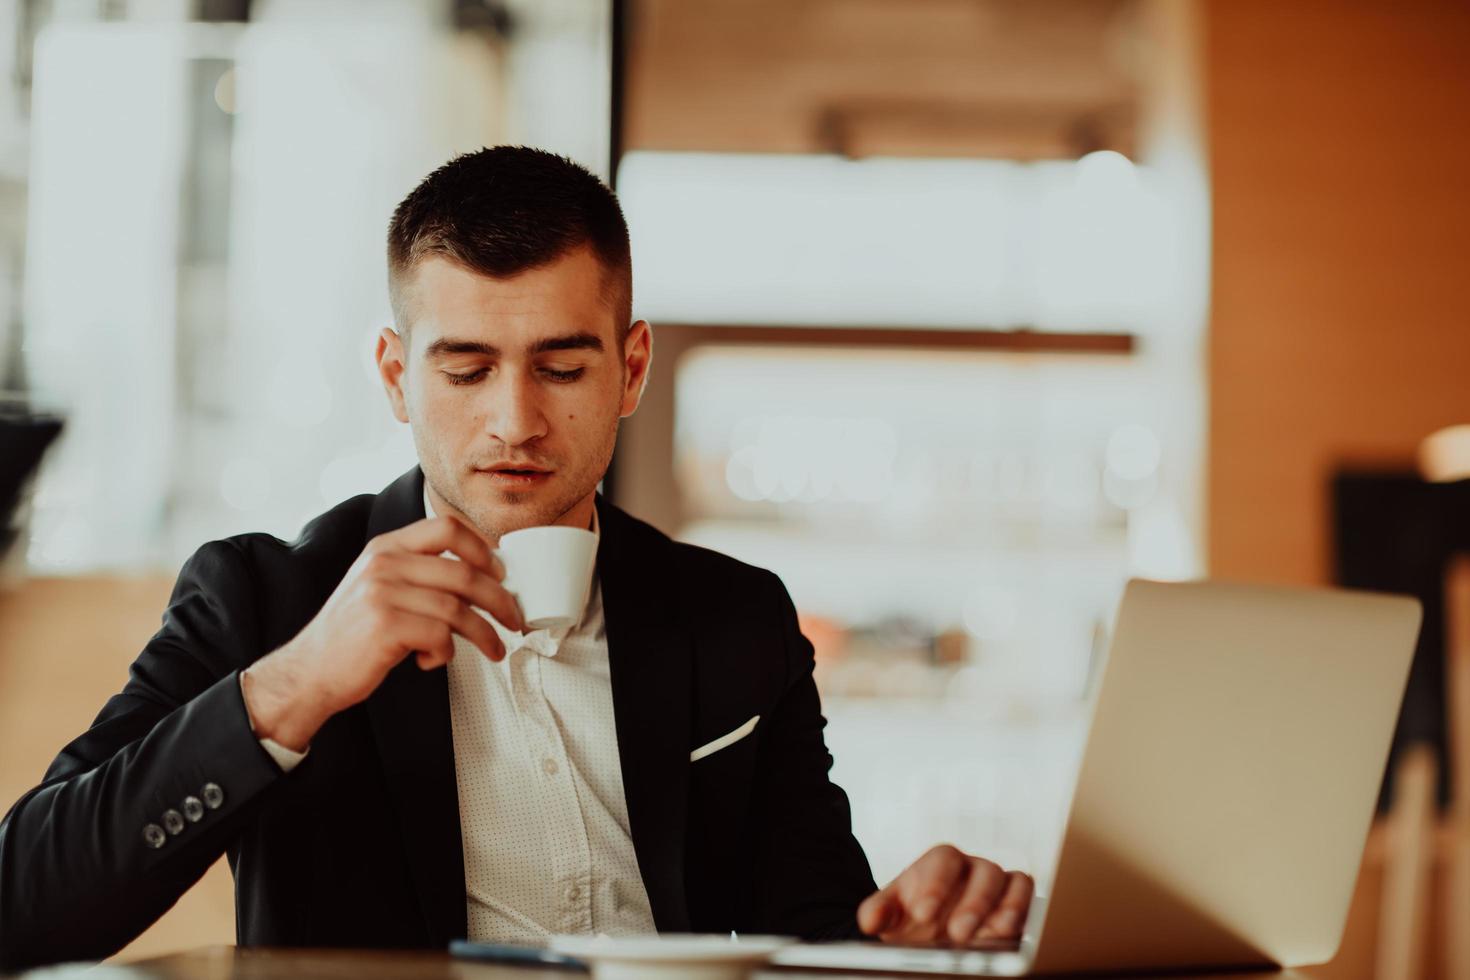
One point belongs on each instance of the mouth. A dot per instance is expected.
(509, 474)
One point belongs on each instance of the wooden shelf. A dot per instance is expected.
(910, 338)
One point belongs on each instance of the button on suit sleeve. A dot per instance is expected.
(131, 813)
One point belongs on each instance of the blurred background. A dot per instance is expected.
(965, 311)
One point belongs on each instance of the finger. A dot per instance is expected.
(927, 888)
(432, 535)
(933, 931)
(879, 912)
(430, 641)
(1009, 915)
(982, 891)
(451, 610)
(457, 577)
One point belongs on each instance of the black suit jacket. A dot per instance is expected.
(360, 845)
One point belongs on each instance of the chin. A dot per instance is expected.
(513, 511)
(522, 501)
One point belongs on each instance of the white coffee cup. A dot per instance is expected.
(549, 569)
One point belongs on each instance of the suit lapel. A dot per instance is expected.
(650, 655)
(411, 725)
(650, 658)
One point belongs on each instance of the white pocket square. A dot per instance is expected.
(709, 748)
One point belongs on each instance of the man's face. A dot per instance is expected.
(524, 372)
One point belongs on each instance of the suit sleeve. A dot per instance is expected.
(811, 872)
(83, 870)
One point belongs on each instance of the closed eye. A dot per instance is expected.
(464, 379)
(560, 377)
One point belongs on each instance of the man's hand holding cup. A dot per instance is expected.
(400, 596)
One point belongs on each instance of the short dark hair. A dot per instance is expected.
(503, 210)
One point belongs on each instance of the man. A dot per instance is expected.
(386, 767)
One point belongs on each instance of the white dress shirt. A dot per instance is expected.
(542, 814)
(547, 846)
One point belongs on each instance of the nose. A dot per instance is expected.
(514, 415)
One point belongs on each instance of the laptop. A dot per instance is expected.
(1237, 743)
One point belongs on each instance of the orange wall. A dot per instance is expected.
(1340, 157)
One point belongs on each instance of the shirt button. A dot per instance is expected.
(173, 822)
(214, 797)
(549, 766)
(154, 836)
(573, 893)
(193, 809)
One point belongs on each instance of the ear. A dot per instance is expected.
(392, 362)
(637, 357)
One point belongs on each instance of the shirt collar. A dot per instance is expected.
(543, 641)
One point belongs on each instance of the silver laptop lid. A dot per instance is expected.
(1230, 776)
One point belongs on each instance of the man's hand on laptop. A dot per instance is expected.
(399, 597)
(948, 897)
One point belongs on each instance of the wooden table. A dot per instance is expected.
(229, 963)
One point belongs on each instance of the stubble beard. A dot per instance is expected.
(513, 512)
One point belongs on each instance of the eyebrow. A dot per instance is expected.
(445, 346)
